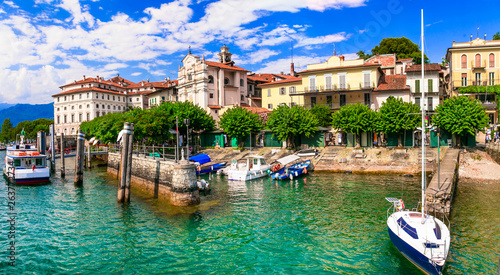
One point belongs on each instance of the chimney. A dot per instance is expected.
(292, 70)
(282, 73)
(341, 58)
(168, 78)
(83, 77)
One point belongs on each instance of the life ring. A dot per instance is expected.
(401, 205)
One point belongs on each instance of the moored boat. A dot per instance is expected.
(254, 168)
(204, 165)
(292, 172)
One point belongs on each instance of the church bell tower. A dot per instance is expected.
(225, 55)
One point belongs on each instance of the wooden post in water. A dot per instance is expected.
(123, 162)
(52, 148)
(130, 146)
(80, 147)
(63, 173)
(89, 156)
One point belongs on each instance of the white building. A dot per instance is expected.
(212, 85)
(431, 84)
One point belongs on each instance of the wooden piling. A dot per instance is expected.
(80, 145)
(129, 163)
(52, 149)
(124, 160)
(63, 172)
(89, 156)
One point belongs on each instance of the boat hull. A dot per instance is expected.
(246, 175)
(417, 258)
(212, 168)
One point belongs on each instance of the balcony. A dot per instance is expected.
(338, 88)
(487, 82)
(489, 105)
(332, 106)
(478, 65)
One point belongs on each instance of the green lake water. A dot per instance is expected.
(325, 223)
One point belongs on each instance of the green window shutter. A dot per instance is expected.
(417, 86)
(430, 89)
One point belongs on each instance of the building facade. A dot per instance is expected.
(162, 91)
(279, 92)
(212, 85)
(476, 64)
(338, 82)
(432, 84)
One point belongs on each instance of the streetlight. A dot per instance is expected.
(186, 121)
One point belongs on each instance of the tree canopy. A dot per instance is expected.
(238, 122)
(150, 125)
(496, 36)
(401, 46)
(355, 119)
(396, 115)
(323, 115)
(31, 128)
(287, 123)
(460, 115)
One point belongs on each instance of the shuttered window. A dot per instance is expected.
(328, 82)
(430, 89)
(478, 60)
(492, 60)
(464, 61)
(312, 83)
(417, 86)
(342, 84)
(366, 80)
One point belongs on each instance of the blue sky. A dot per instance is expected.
(48, 43)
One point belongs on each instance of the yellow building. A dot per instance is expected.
(337, 82)
(476, 63)
(279, 92)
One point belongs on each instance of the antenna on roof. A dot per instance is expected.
(334, 50)
(292, 49)
(477, 30)
(189, 49)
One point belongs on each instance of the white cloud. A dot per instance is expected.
(326, 39)
(283, 64)
(11, 4)
(114, 66)
(255, 57)
(2, 11)
(136, 74)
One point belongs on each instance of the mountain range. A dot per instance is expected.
(22, 112)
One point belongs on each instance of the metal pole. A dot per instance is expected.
(89, 156)
(63, 173)
(439, 160)
(80, 147)
(423, 119)
(177, 142)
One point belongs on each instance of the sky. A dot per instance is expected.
(45, 44)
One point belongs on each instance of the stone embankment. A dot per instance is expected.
(477, 166)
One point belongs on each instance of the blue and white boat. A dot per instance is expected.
(202, 167)
(423, 239)
(294, 171)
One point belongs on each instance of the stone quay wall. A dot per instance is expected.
(165, 180)
(494, 151)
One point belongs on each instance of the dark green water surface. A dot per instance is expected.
(326, 223)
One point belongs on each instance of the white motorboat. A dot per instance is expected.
(24, 165)
(423, 239)
(254, 168)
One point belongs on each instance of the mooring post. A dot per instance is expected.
(63, 172)
(52, 149)
(80, 146)
(123, 162)
(130, 146)
(89, 156)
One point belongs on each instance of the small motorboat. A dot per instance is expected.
(204, 165)
(292, 172)
(254, 168)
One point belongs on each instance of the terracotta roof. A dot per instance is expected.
(92, 89)
(339, 68)
(256, 110)
(386, 60)
(224, 66)
(95, 80)
(295, 79)
(268, 77)
(214, 107)
(428, 67)
(392, 82)
(405, 59)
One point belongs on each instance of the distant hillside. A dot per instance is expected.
(22, 112)
(5, 105)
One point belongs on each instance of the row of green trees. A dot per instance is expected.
(457, 115)
(31, 128)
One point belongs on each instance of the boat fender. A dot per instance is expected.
(401, 205)
(305, 171)
(291, 177)
(198, 168)
(296, 173)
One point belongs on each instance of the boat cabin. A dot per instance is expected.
(253, 162)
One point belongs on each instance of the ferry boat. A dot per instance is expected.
(25, 166)
(254, 168)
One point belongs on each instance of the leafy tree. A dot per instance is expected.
(496, 36)
(238, 122)
(461, 115)
(355, 119)
(287, 123)
(6, 126)
(401, 46)
(323, 115)
(395, 116)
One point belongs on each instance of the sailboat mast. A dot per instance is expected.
(422, 104)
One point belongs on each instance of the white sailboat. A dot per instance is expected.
(421, 238)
